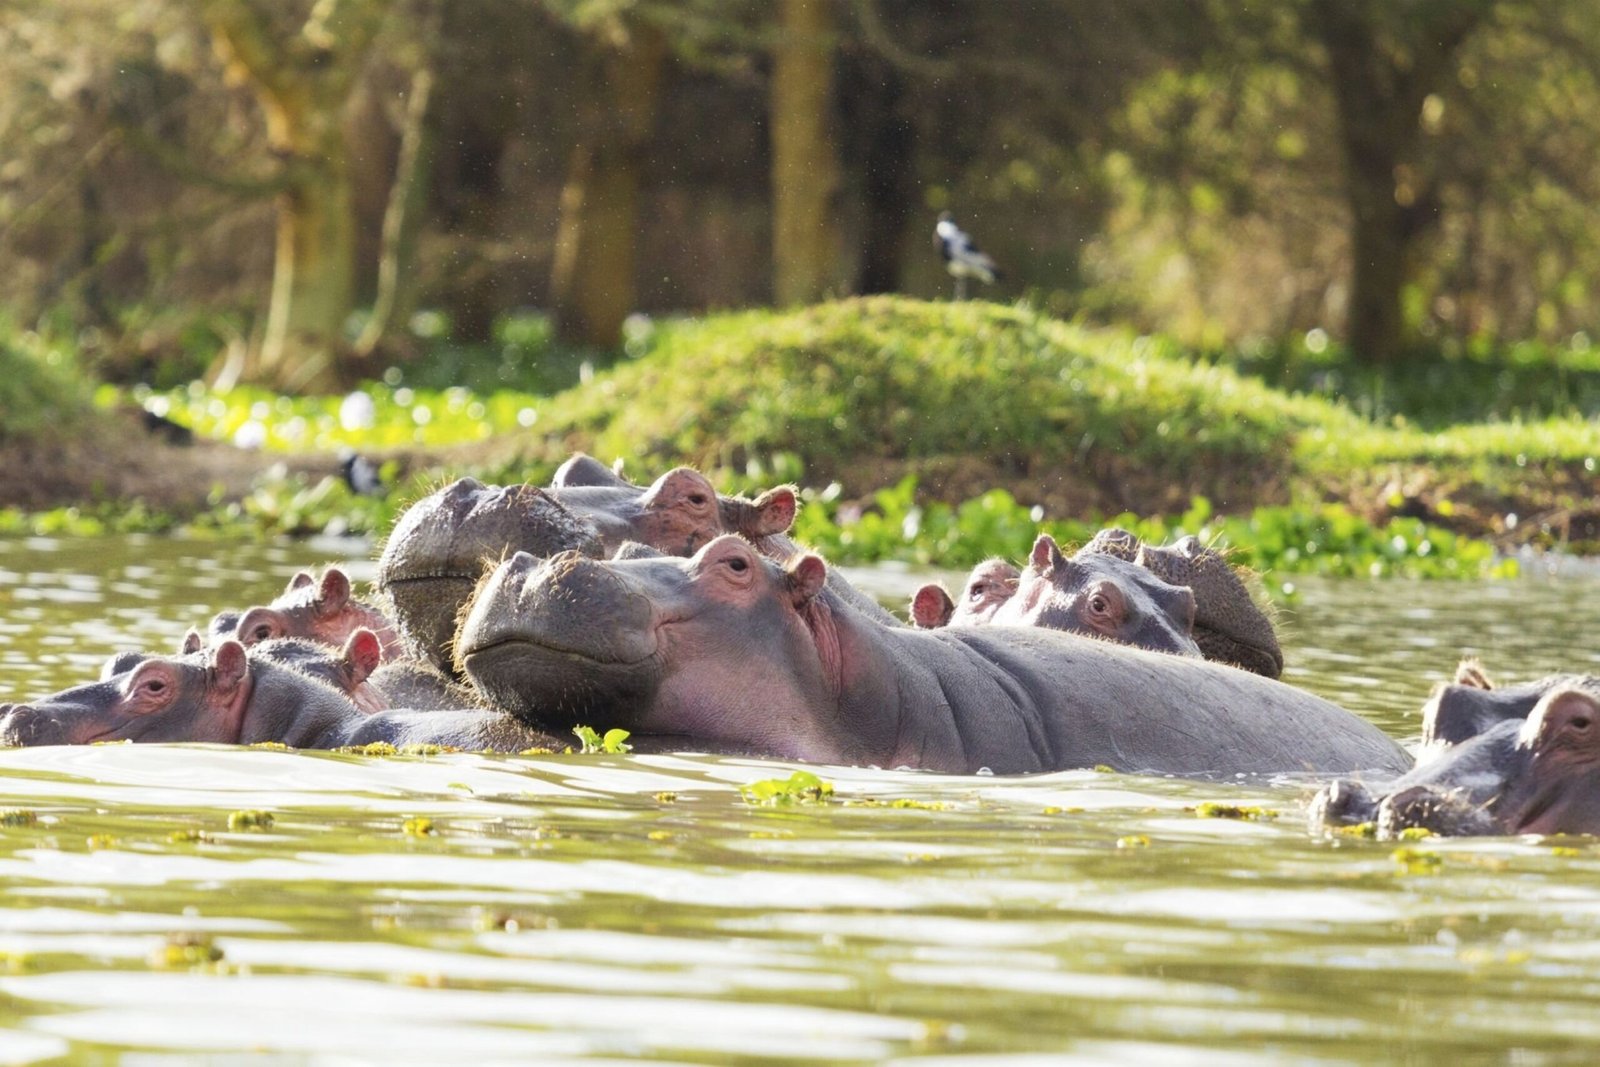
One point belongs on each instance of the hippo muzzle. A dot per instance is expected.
(559, 641)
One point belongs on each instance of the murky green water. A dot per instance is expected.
(570, 909)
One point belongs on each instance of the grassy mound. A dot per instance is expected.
(862, 390)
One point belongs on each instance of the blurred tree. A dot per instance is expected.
(807, 242)
(1386, 61)
(301, 66)
(592, 284)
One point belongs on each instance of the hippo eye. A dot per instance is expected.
(154, 685)
(697, 499)
(977, 591)
(262, 632)
(1098, 605)
(1580, 722)
(738, 565)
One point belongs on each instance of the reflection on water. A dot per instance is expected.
(601, 908)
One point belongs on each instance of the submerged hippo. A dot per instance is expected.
(1539, 776)
(357, 670)
(989, 584)
(322, 610)
(1228, 626)
(1102, 596)
(1473, 704)
(232, 695)
(437, 551)
(730, 648)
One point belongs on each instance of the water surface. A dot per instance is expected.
(595, 908)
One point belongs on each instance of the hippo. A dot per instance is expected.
(228, 694)
(358, 671)
(730, 648)
(1473, 703)
(1103, 596)
(1228, 626)
(1538, 776)
(989, 585)
(322, 610)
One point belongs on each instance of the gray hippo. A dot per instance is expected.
(1473, 703)
(1535, 776)
(1228, 626)
(989, 584)
(1093, 594)
(1102, 596)
(230, 695)
(730, 648)
(437, 550)
(358, 670)
(322, 610)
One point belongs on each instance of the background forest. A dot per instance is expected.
(271, 192)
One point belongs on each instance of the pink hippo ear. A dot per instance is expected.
(362, 654)
(300, 580)
(334, 593)
(192, 642)
(805, 578)
(679, 487)
(1470, 672)
(1046, 554)
(775, 511)
(230, 666)
(931, 607)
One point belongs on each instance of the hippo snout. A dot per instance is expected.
(22, 726)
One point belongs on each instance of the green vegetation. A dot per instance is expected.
(612, 741)
(1213, 809)
(986, 423)
(250, 819)
(42, 393)
(801, 787)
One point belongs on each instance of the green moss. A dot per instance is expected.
(1214, 810)
(376, 748)
(250, 820)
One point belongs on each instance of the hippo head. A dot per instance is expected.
(991, 584)
(1101, 595)
(719, 647)
(1228, 626)
(346, 669)
(440, 546)
(437, 551)
(159, 698)
(1560, 791)
(324, 611)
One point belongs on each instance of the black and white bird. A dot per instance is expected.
(962, 258)
(360, 473)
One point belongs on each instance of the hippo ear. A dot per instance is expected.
(335, 591)
(931, 607)
(229, 666)
(1185, 608)
(300, 580)
(774, 512)
(582, 469)
(805, 578)
(362, 654)
(192, 642)
(1470, 672)
(1046, 554)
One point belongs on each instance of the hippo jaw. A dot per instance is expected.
(560, 641)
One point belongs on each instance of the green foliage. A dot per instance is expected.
(613, 741)
(1317, 538)
(901, 379)
(801, 787)
(250, 819)
(42, 393)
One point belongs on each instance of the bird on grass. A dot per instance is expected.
(962, 258)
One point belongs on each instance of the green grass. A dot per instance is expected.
(42, 392)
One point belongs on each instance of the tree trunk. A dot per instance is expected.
(406, 195)
(592, 284)
(807, 246)
(1379, 86)
(302, 84)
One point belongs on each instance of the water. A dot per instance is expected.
(612, 908)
